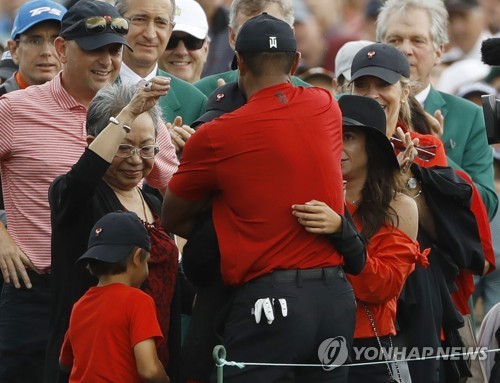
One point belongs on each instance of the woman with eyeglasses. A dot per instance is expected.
(122, 125)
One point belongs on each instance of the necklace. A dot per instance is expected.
(143, 205)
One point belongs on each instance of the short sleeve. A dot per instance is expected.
(166, 161)
(143, 320)
(197, 173)
(66, 357)
(6, 127)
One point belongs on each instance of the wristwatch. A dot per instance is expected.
(412, 183)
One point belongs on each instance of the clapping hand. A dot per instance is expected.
(406, 156)
(179, 133)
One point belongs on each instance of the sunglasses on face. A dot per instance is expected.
(98, 24)
(190, 42)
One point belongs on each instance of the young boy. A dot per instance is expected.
(113, 331)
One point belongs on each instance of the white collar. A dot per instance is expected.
(422, 96)
(128, 76)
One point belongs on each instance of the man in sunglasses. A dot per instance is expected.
(42, 135)
(187, 49)
(151, 23)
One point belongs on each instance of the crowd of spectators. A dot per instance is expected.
(196, 115)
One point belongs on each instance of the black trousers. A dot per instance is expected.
(24, 322)
(321, 308)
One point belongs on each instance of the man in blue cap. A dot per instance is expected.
(36, 26)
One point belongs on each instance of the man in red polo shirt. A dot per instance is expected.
(280, 148)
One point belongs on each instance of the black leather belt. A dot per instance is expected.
(302, 274)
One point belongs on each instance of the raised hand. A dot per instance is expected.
(147, 95)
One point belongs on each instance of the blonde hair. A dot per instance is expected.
(405, 108)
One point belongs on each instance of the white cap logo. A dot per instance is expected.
(39, 11)
(273, 43)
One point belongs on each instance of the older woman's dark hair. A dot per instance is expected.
(108, 102)
(380, 187)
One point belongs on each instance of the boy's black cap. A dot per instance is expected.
(224, 99)
(72, 27)
(366, 114)
(380, 60)
(265, 33)
(114, 236)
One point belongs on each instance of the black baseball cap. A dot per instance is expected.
(265, 33)
(7, 66)
(73, 25)
(224, 99)
(380, 60)
(366, 114)
(460, 5)
(114, 236)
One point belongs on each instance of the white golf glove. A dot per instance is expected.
(266, 305)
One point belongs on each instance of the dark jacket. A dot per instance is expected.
(9, 85)
(77, 200)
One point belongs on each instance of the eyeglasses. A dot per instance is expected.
(36, 41)
(147, 152)
(190, 42)
(143, 21)
(98, 24)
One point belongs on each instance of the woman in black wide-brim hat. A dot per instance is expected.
(388, 221)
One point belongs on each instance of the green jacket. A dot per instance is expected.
(209, 83)
(183, 99)
(465, 142)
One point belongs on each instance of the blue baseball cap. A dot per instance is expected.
(35, 12)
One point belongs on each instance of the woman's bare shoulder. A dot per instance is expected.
(407, 211)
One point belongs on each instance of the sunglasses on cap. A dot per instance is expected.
(98, 24)
(190, 42)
